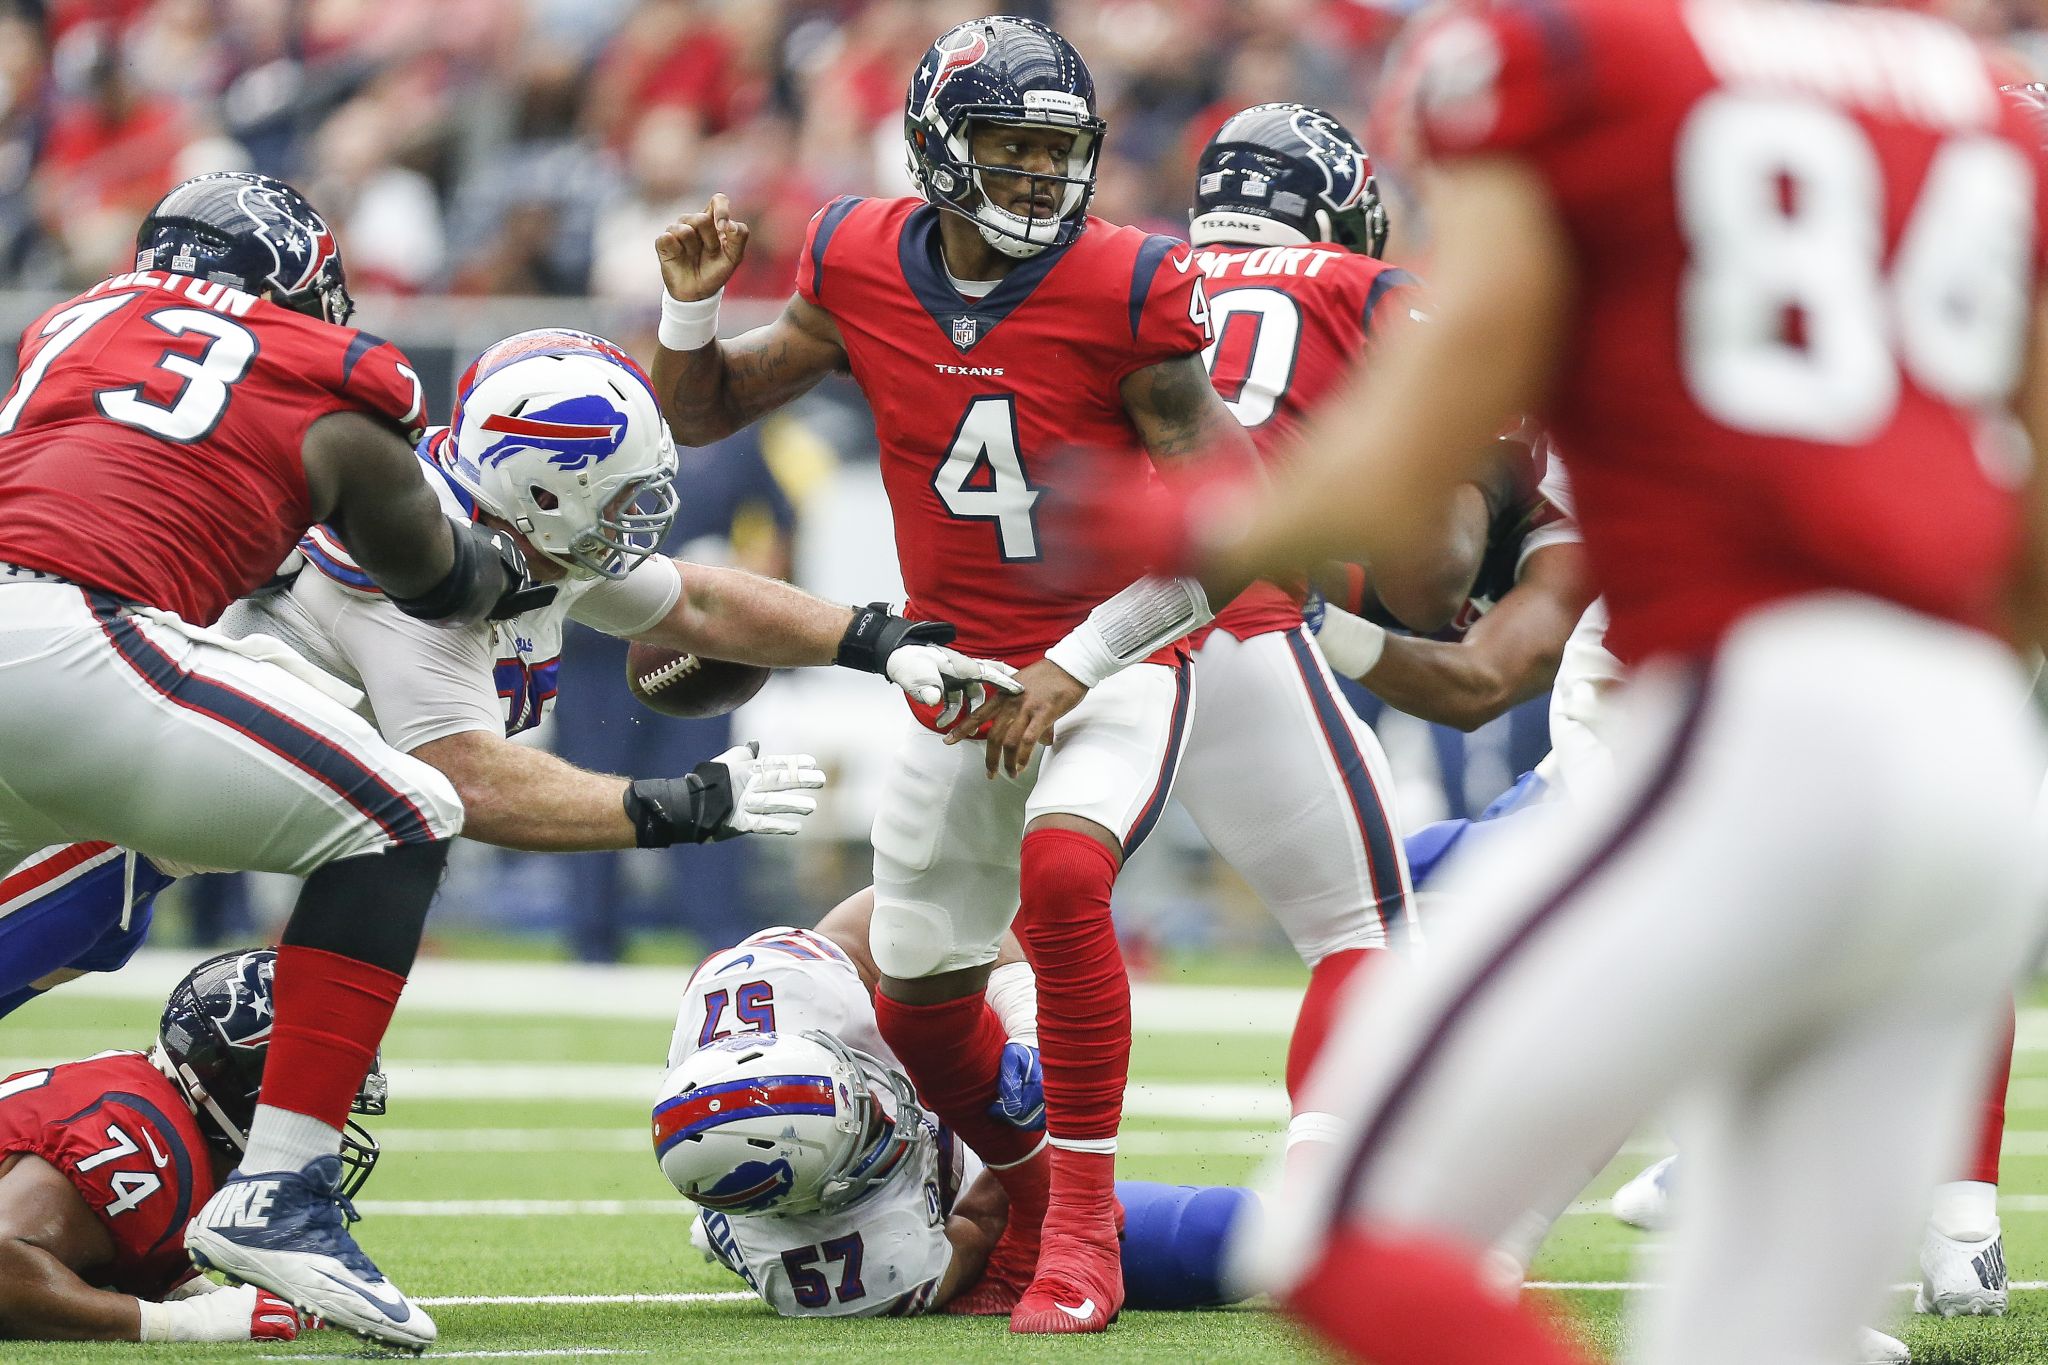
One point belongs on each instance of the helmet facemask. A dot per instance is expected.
(885, 1127)
(1070, 188)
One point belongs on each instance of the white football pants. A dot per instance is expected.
(1795, 917)
(127, 729)
(1291, 789)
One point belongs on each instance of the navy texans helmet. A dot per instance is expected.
(213, 1041)
(252, 232)
(1015, 73)
(1287, 175)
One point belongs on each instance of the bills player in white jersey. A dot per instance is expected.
(825, 1185)
(557, 440)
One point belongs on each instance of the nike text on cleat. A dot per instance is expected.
(1961, 1279)
(287, 1232)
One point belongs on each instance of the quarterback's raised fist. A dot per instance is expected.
(699, 251)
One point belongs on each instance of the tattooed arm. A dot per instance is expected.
(716, 389)
(1178, 414)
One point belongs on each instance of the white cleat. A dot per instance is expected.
(1645, 1202)
(287, 1232)
(1962, 1279)
(1875, 1348)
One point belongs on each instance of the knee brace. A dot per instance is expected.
(1174, 1239)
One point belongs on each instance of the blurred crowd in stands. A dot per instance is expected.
(530, 150)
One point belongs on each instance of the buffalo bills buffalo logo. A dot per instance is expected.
(748, 1188)
(575, 433)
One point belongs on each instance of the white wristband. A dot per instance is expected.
(688, 326)
(1013, 995)
(156, 1321)
(1352, 644)
(1085, 654)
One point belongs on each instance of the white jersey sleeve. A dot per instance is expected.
(627, 606)
(778, 981)
(882, 1257)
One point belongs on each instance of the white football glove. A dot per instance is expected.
(932, 674)
(767, 793)
(238, 1313)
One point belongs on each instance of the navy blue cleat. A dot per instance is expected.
(287, 1232)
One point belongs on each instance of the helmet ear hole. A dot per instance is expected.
(543, 498)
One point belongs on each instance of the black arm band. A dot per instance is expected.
(472, 586)
(691, 809)
(875, 634)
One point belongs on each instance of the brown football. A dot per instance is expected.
(678, 684)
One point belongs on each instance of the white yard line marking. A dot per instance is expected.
(582, 991)
(532, 1300)
(574, 1352)
(1636, 1286)
(520, 1208)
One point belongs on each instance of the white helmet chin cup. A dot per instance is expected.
(568, 445)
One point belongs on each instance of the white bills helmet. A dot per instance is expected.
(782, 1124)
(558, 432)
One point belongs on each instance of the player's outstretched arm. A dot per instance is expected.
(364, 480)
(47, 1236)
(710, 388)
(1419, 421)
(1509, 656)
(517, 797)
(1180, 417)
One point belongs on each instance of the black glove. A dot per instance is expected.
(692, 809)
(876, 634)
(487, 581)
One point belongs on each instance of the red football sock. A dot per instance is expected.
(1407, 1301)
(952, 1052)
(1084, 996)
(1320, 1006)
(1991, 1132)
(331, 1014)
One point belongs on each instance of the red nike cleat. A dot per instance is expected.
(1080, 1281)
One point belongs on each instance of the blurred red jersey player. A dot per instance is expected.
(1766, 271)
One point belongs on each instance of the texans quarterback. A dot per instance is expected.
(169, 436)
(557, 445)
(103, 1160)
(1771, 273)
(862, 1205)
(992, 324)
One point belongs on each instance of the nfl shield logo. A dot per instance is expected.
(964, 330)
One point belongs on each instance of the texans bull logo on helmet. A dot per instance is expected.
(1345, 174)
(241, 1004)
(575, 433)
(271, 213)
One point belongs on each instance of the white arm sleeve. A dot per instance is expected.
(1149, 614)
(424, 682)
(627, 606)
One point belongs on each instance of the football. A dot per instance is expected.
(678, 684)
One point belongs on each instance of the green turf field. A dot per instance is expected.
(485, 1204)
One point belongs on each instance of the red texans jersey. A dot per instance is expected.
(150, 446)
(1805, 239)
(1290, 322)
(124, 1137)
(974, 398)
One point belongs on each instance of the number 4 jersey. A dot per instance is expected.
(976, 398)
(151, 443)
(121, 1133)
(1806, 241)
